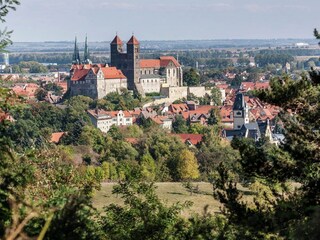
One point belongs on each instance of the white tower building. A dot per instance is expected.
(240, 112)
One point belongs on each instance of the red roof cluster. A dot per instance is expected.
(247, 86)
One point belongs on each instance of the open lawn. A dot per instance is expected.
(169, 192)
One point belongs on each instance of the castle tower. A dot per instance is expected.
(76, 54)
(133, 62)
(116, 50)
(240, 112)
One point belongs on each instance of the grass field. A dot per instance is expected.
(168, 192)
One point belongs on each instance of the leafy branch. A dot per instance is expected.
(5, 7)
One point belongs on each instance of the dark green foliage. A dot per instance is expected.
(41, 94)
(180, 125)
(278, 211)
(53, 87)
(214, 117)
(191, 77)
(143, 217)
(116, 101)
(264, 59)
(77, 220)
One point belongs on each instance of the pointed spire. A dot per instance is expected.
(116, 40)
(86, 51)
(239, 103)
(133, 41)
(76, 54)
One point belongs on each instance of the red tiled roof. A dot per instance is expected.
(112, 73)
(165, 60)
(116, 40)
(112, 114)
(132, 140)
(226, 113)
(150, 63)
(133, 41)
(222, 86)
(193, 138)
(177, 108)
(159, 119)
(262, 85)
(108, 72)
(80, 74)
(56, 137)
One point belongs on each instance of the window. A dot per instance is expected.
(239, 113)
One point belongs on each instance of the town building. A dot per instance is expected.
(105, 119)
(240, 112)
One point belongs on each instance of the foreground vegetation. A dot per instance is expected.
(44, 194)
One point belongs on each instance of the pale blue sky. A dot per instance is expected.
(52, 20)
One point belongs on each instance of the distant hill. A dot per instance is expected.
(67, 46)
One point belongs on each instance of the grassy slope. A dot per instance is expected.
(170, 193)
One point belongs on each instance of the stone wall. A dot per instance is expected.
(106, 86)
(197, 91)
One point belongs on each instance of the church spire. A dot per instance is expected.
(86, 51)
(76, 54)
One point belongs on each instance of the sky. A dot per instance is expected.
(61, 20)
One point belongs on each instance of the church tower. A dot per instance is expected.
(116, 51)
(240, 112)
(76, 54)
(133, 62)
(86, 55)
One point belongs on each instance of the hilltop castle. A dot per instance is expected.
(126, 70)
(144, 75)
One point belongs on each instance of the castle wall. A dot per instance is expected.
(87, 87)
(197, 91)
(174, 93)
(151, 84)
(106, 86)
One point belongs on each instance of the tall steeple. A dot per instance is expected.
(76, 54)
(86, 57)
(240, 112)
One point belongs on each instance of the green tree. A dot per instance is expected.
(277, 210)
(187, 165)
(144, 216)
(41, 94)
(180, 125)
(148, 167)
(216, 96)
(5, 7)
(191, 77)
(214, 117)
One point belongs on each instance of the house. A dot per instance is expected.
(105, 119)
(249, 86)
(163, 121)
(190, 139)
(56, 137)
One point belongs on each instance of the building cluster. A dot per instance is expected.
(126, 70)
(240, 115)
